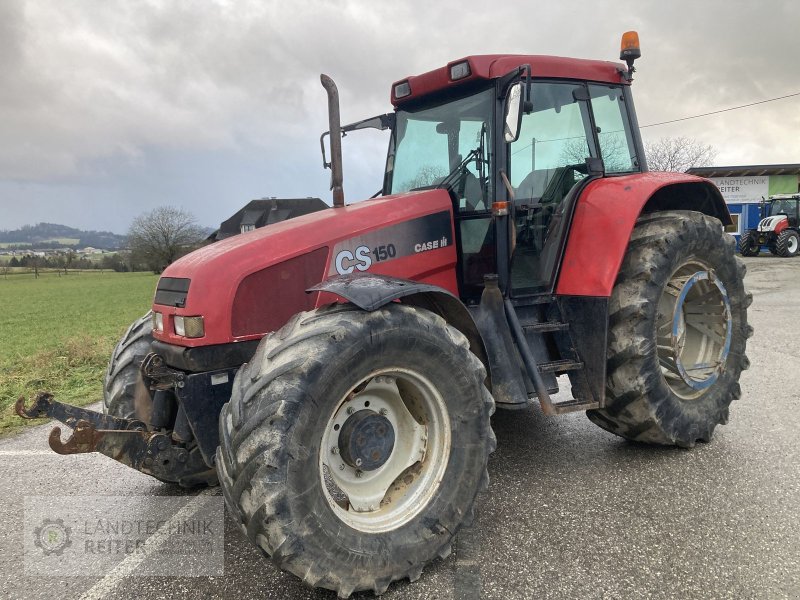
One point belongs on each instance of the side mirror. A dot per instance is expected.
(513, 113)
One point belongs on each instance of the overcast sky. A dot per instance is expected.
(109, 108)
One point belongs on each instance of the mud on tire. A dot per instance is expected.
(641, 404)
(270, 463)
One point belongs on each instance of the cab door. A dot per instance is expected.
(545, 163)
(570, 123)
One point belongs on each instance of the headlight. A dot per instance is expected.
(158, 321)
(459, 71)
(191, 327)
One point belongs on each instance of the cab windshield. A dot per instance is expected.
(445, 145)
(785, 207)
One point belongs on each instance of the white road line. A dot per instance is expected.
(27, 453)
(151, 545)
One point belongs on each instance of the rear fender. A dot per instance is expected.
(370, 291)
(606, 214)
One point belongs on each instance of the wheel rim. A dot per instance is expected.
(374, 483)
(694, 330)
(792, 244)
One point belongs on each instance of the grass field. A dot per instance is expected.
(57, 333)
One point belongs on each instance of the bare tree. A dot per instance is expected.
(427, 175)
(161, 236)
(613, 147)
(678, 154)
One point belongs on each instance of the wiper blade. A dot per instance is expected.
(453, 176)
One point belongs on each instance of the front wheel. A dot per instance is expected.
(355, 443)
(748, 244)
(122, 381)
(677, 332)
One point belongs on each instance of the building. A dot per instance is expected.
(744, 187)
(265, 211)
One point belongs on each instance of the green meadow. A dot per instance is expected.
(57, 333)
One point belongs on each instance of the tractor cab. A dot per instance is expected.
(511, 135)
(783, 204)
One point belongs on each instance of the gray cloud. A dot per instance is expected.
(110, 108)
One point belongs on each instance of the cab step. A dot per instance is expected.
(574, 405)
(546, 326)
(558, 366)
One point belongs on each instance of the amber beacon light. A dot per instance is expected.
(630, 50)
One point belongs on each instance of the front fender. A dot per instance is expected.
(370, 291)
(606, 214)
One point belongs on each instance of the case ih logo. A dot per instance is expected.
(404, 239)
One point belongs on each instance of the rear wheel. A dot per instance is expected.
(677, 332)
(788, 243)
(748, 244)
(355, 443)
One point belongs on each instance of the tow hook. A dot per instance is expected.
(125, 440)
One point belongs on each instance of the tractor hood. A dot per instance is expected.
(777, 224)
(248, 285)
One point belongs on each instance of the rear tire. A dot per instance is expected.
(677, 332)
(292, 492)
(122, 374)
(788, 243)
(748, 244)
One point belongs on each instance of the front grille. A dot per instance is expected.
(172, 291)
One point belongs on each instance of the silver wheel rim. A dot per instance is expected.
(792, 244)
(391, 495)
(694, 328)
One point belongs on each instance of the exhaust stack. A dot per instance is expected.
(335, 128)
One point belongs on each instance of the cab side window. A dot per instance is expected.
(613, 129)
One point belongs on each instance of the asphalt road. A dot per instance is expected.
(571, 512)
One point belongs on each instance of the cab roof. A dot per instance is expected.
(491, 66)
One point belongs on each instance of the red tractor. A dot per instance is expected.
(778, 229)
(337, 372)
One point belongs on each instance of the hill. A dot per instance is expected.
(51, 235)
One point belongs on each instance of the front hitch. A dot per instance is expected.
(125, 440)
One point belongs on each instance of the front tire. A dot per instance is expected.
(122, 375)
(677, 332)
(748, 244)
(295, 434)
(788, 243)
(126, 395)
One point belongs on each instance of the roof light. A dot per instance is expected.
(401, 90)
(629, 51)
(459, 71)
(629, 48)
